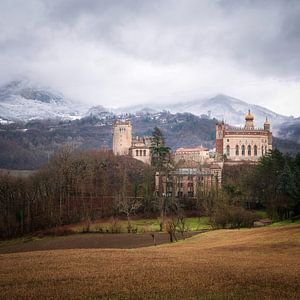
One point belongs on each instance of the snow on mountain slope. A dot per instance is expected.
(99, 112)
(22, 101)
(221, 107)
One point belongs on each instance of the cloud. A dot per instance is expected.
(127, 52)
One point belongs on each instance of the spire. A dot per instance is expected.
(267, 125)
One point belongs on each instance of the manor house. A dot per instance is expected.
(125, 144)
(243, 144)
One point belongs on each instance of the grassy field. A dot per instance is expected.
(143, 225)
(261, 263)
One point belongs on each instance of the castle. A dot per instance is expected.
(194, 168)
(124, 144)
(243, 144)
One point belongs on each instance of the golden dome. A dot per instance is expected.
(267, 122)
(249, 116)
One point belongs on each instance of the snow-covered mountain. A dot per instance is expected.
(99, 112)
(22, 101)
(221, 107)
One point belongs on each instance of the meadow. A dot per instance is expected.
(262, 263)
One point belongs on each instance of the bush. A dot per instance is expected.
(232, 217)
(115, 225)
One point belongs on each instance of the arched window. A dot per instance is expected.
(136, 152)
(228, 150)
(141, 152)
(243, 150)
(144, 152)
(262, 150)
(237, 150)
(255, 150)
(266, 150)
(249, 150)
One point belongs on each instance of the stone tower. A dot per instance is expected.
(220, 128)
(122, 137)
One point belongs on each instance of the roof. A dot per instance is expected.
(196, 149)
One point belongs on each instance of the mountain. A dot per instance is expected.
(290, 130)
(20, 100)
(221, 107)
(99, 112)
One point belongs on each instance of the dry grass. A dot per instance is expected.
(261, 263)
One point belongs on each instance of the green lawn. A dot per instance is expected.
(283, 223)
(144, 225)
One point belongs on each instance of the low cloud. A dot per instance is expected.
(127, 52)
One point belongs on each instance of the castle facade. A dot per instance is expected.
(198, 154)
(243, 144)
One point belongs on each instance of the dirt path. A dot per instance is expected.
(90, 241)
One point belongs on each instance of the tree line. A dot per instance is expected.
(72, 187)
(273, 184)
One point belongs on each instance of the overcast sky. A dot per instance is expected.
(118, 53)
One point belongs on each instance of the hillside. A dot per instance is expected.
(29, 145)
(258, 263)
(290, 130)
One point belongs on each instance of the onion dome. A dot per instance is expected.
(249, 116)
(267, 122)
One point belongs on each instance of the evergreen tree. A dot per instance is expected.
(160, 154)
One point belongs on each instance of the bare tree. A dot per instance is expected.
(128, 206)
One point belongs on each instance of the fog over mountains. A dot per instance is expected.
(221, 107)
(23, 101)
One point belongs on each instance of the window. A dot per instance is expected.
(266, 150)
(249, 150)
(190, 193)
(255, 150)
(141, 152)
(136, 152)
(227, 140)
(237, 150)
(243, 150)
(144, 152)
(262, 150)
(228, 150)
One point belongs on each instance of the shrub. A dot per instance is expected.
(232, 217)
(115, 225)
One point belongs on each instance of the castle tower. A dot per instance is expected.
(220, 128)
(122, 137)
(249, 121)
(267, 125)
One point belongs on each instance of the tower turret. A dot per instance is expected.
(249, 120)
(267, 126)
